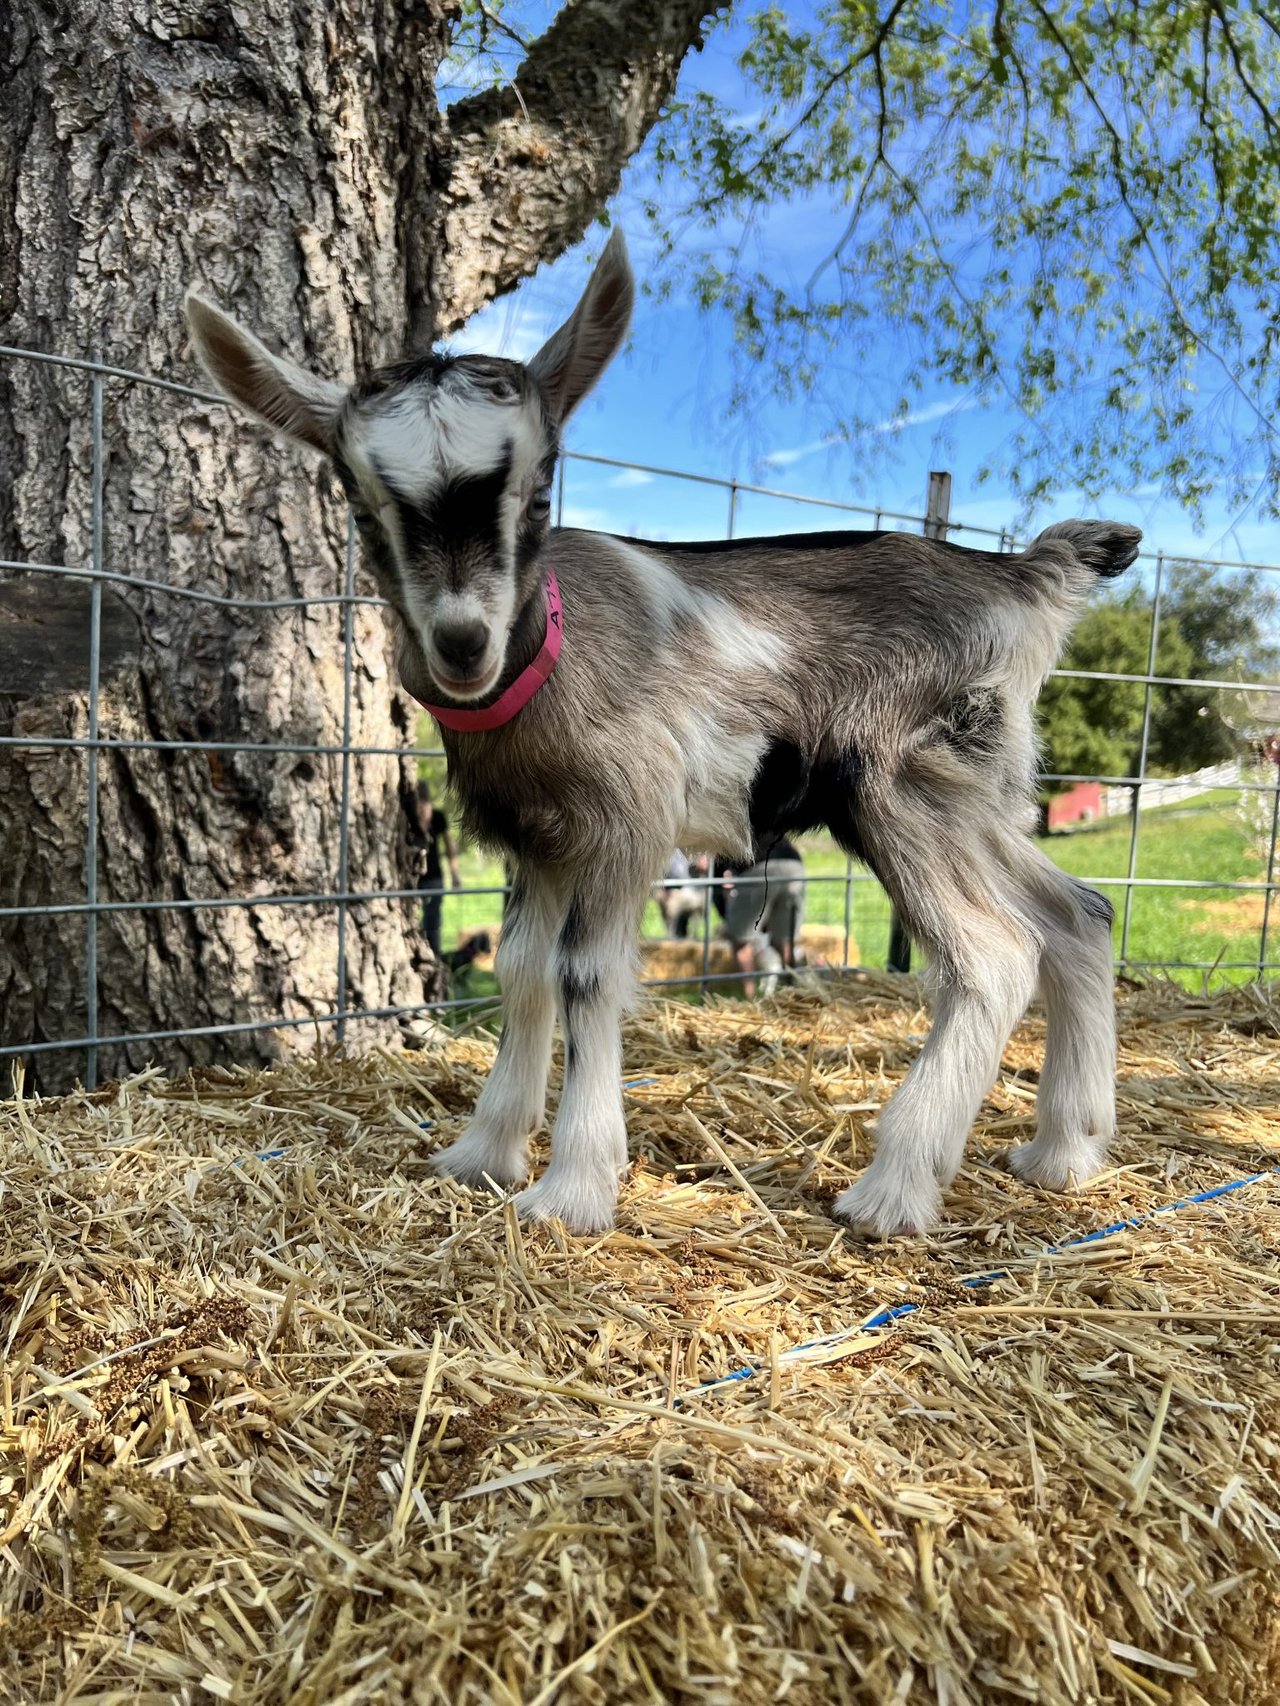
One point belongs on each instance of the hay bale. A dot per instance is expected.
(320, 1427)
(824, 945)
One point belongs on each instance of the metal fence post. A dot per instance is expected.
(91, 807)
(1269, 893)
(1135, 794)
(706, 929)
(344, 810)
(848, 909)
(937, 514)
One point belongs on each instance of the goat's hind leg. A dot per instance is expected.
(512, 1102)
(1076, 1106)
(984, 965)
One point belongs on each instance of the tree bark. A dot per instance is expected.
(290, 158)
(535, 162)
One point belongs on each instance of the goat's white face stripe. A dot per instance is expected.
(420, 438)
(407, 451)
(424, 436)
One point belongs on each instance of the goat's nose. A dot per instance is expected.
(462, 645)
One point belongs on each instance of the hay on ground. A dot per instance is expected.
(286, 1418)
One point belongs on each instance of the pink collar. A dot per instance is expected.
(525, 685)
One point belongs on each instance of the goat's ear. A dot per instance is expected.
(571, 361)
(287, 397)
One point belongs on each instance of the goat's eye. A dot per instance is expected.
(540, 503)
(502, 390)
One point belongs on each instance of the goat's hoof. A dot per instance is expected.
(582, 1207)
(1057, 1165)
(886, 1208)
(477, 1160)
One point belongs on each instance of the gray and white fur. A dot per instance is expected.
(717, 695)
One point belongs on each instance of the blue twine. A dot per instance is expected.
(895, 1312)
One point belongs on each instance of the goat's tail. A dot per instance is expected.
(1107, 548)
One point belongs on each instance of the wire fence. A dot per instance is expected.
(843, 899)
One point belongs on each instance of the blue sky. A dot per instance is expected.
(665, 402)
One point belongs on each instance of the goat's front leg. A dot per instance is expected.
(513, 1100)
(595, 973)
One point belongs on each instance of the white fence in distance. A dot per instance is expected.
(1170, 790)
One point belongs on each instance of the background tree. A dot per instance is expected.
(1229, 623)
(1095, 727)
(1211, 627)
(292, 158)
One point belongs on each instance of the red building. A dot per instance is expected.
(1081, 804)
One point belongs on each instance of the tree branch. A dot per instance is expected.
(533, 164)
(1115, 146)
(1233, 47)
(775, 145)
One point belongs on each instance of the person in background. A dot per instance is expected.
(703, 865)
(764, 913)
(432, 829)
(678, 905)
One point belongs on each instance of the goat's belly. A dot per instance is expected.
(718, 771)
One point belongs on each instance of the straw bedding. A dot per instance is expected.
(320, 1428)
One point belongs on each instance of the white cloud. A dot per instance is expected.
(785, 458)
(930, 412)
(894, 423)
(582, 515)
(630, 477)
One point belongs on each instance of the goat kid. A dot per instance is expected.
(713, 695)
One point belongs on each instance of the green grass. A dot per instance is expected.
(1202, 839)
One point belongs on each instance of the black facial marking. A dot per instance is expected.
(428, 369)
(529, 538)
(462, 516)
(531, 530)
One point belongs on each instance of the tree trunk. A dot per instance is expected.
(256, 152)
(290, 158)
